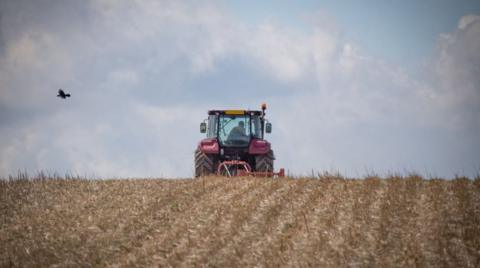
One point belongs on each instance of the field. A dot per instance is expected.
(221, 222)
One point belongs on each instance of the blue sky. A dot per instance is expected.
(404, 32)
(356, 87)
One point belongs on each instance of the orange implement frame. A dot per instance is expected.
(237, 168)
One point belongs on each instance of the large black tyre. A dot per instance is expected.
(264, 162)
(204, 164)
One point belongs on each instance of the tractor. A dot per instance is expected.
(235, 145)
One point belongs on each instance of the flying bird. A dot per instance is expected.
(62, 94)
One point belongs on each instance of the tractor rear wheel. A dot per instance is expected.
(204, 164)
(264, 162)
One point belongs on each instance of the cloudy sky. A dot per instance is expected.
(358, 87)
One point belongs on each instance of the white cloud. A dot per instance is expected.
(142, 72)
(466, 20)
(123, 78)
(456, 74)
(278, 52)
(367, 114)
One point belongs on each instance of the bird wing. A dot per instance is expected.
(60, 92)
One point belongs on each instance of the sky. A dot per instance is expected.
(355, 87)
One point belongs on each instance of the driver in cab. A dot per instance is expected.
(237, 132)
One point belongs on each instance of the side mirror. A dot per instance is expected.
(268, 127)
(203, 127)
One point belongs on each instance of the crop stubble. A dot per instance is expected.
(224, 222)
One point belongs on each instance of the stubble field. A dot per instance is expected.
(221, 222)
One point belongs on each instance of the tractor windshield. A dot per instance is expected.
(237, 130)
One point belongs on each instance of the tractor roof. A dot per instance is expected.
(234, 112)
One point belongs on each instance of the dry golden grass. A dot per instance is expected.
(240, 222)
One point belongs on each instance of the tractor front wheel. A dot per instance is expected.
(204, 164)
(264, 162)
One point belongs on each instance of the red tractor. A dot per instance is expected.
(235, 145)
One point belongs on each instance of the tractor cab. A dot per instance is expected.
(235, 128)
